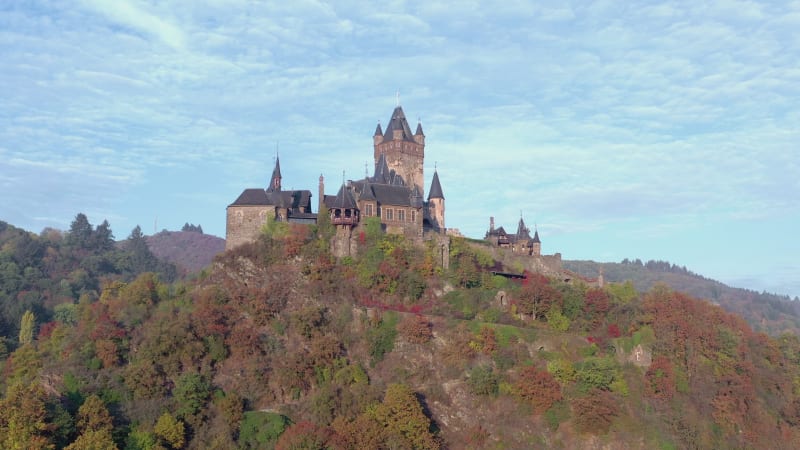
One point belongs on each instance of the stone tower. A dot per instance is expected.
(404, 151)
(436, 203)
(345, 215)
(537, 244)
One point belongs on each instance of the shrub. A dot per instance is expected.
(483, 381)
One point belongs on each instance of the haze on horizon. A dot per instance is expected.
(652, 130)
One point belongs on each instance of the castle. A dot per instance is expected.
(521, 242)
(394, 194)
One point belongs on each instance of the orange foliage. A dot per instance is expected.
(539, 388)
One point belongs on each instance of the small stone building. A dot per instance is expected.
(248, 214)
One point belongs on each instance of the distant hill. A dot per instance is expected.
(769, 313)
(191, 251)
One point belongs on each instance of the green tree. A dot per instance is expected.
(170, 430)
(23, 415)
(26, 327)
(191, 392)
(403, 418)
(80, 233)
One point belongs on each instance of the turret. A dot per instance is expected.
(275, 180)
(537, 244)
(419, 136)
(378, 136)
(436, 203)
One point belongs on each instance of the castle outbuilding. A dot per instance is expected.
(248, 214)
(519, 242)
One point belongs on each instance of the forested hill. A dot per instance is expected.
(770, 313)
(280, 345)
(190, 249)
(42, 273)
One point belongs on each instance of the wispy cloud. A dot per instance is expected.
(616, 127)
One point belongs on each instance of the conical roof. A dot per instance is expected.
(398, 122)
(275, 180)
(436, 187)
(344, 199)
(382, 174)
(366, 191)
(378, 131)
(419, 129)
(523, 232)
(536, 237)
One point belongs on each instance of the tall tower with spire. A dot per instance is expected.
(436, 203)
(404, 151)
(275, 181)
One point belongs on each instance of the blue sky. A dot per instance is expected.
(652, 130)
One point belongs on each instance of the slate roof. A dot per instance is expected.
(252, 197)
(523, 232)
(276, 174)
(419, 130)
(398, 122)
(536, 237)
(436, 187)
(344, 199)
(284, 199)
(366, 192)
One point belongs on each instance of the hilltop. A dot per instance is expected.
(771, 313)
(280, 345)
(191, 251)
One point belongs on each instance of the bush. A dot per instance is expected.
(483, 381)
(261, 429)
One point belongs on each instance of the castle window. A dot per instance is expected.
(414, 216)
(368, 210)
(401, 215)
(389, 213)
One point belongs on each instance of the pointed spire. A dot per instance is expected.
(344, 199)
(378, 131)
(275, 180)
(536, 237)
(523, 232)
(366, 191)
(419, 130)
(381, 171)
(398, 123)
(436, 187)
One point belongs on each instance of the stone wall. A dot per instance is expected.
(243, 223)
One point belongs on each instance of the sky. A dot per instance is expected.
(662, 130)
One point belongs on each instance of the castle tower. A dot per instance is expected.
(344, 215)
(436, 203)
(404, 151)
(537, 244)
(275, 181)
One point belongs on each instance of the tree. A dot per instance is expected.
(415, 329)
(304, 436)
(93, 415)
(537, 296)
(170, 430)
(26, 328)
(403, 418)
(595, 412)
(23, 418)
(538, 387)
(80, 233)
(191, 392)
